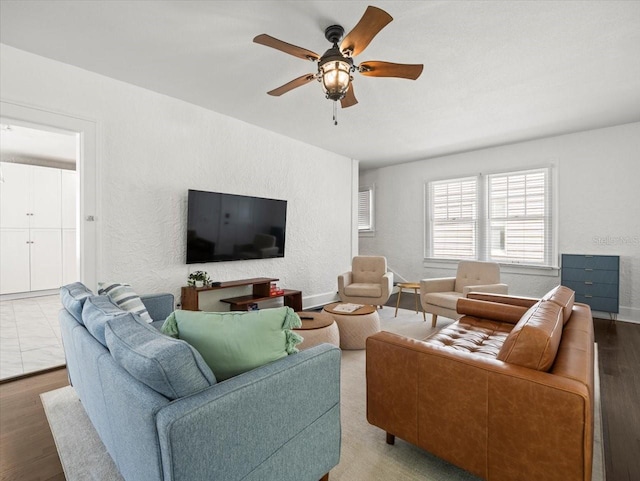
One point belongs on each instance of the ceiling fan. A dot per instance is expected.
(336, 64)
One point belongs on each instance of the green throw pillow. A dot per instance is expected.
(235, 342)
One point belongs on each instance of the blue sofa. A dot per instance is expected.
(162, 416)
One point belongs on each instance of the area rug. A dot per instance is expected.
(365, 456)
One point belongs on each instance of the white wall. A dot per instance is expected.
(153, 148)
(598, 204)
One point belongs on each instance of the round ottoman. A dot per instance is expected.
(355, 326)
(317, 328)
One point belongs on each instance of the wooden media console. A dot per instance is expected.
(261, 292)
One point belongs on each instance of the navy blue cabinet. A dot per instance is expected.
(595, 280)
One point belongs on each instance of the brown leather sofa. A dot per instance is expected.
(505, 392)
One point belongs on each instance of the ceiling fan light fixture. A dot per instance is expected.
(335, 77)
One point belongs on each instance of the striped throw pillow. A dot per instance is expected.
(125, 298)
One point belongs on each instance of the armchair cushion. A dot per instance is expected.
(443, 299)
(368, 269)
(235, 342)
(474, 273)
(363, 289)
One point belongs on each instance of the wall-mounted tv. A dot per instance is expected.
(228, 227)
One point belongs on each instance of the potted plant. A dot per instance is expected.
(198, 279)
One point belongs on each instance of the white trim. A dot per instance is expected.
(318, 300)
(88, 185)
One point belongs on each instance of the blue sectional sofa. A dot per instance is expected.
(162, 416)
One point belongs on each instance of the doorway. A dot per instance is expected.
(29, 331)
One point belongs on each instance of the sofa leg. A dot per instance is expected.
(391, 438)
(433, 320)
(325, 477)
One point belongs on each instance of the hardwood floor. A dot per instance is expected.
(27, 450)
(619, 353)
(28, 453)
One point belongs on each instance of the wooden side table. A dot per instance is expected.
(416, 288)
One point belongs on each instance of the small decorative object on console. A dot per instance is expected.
(274, 290)
(198, 279)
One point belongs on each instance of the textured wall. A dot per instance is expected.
(153, 148)
(598, 205)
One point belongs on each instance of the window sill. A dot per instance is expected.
(366, 233)
(452, 264)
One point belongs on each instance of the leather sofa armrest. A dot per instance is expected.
(493, 311)
(492, 288)
(439, 284)
(503, 299)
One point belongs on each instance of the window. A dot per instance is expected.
(505, 217)
(454, 218)
(365, 209)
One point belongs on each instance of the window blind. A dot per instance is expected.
(453, 207)
(519, 217)
(365, 209)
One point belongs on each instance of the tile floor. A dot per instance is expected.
(29, 335)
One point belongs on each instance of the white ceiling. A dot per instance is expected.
(495, 72)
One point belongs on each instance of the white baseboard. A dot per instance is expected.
(318, 300)
(27, 295)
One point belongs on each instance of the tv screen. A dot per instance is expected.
(227, 227)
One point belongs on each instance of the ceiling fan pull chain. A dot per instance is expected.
(335, 112)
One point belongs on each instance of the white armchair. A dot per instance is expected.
(368, 282)
(439, 296)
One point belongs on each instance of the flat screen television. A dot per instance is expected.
(228, 227)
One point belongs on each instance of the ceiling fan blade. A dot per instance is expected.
(375, 68)
(300, 81)
(349, 99)
(373, 20)
(285, 47)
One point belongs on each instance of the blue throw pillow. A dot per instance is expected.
(73, 296)
(96, 312)
(169, 366)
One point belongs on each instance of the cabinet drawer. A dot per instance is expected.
(593, 289)
(590, 275)
(591, 262)
(603, 304)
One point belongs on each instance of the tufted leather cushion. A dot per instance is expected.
(368, 269)
(564, 297)
(534, 340)
(470, 334)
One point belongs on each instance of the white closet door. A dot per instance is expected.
(69, 189)
(46, 198)
(46, 259)
(14, 195)
(14, 261)
(69, 257)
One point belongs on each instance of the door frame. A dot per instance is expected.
(87, 195)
